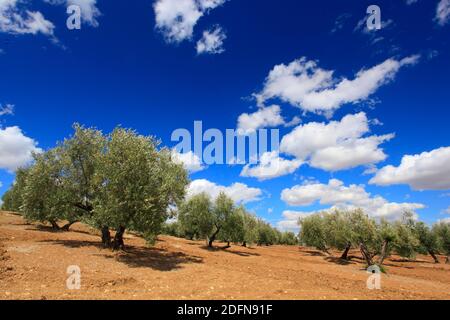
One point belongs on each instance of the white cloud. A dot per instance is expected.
(211, 42)
(15, 148)
(290, 220)
(447, 211)
(336, 194)
(16, 20)
(89, 10)
(304, 85)
(7, 109)
(239, 192)
(425, 171)
(176, 19)
(263, 118)
(443, 12)
(294, 122)
(190, 161)
(410, 2)
(337, 145)
(271, 166)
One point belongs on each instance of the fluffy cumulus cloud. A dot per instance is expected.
(189, 160)
(89, 10)
(336, 194)
(290, 220)
(443, 12)
(239, 192)
(304, 84)
(14, 19)
(337, 145)
(265, 117)
(176, 19)
(211, 41)
(271, 166)
(425, 171)
(15, 148)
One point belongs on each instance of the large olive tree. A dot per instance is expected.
(140, 184)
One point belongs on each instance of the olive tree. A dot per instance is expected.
(12, 199)
(45, 197)
(442, 232)
(288, 239)
(428, 240)
(196, 217)
(140, 183)
(61, 184)
(250, 224)
(266, 234)
(221, 212)
(233, 229)
(313, 232)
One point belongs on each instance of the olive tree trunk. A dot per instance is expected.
(68, 225)
(54, 225)
(366, 255)
(383, 253)
(106, 237)
(213, 238)
(433, 255)
(345, 253)
(118, 243)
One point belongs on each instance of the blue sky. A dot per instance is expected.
(135, 65)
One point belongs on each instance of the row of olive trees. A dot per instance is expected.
(202, 218)
(344, 230)
(117, 181)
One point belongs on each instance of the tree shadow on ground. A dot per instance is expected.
(339, 261)
(155, 258)
(76, 243)
(44, 228)
(136, 257)
(226, 250)
(313, 253)
(404, 260)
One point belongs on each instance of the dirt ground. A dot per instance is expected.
(34, 262)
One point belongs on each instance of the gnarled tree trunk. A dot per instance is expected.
(366, 255)
(244, 244)
(383, 252)
(106, 237)
(68, 225)
(433, 255)
(118, 243)
(345, 253)
(54, 225)
(213, 238)
(447, 261)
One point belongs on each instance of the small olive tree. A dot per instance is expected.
(442, 232)
(196, 217)
(12, 199)
(428, 240)
(233, 230)
(222, 210)
(312, 232)
(250, 224)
